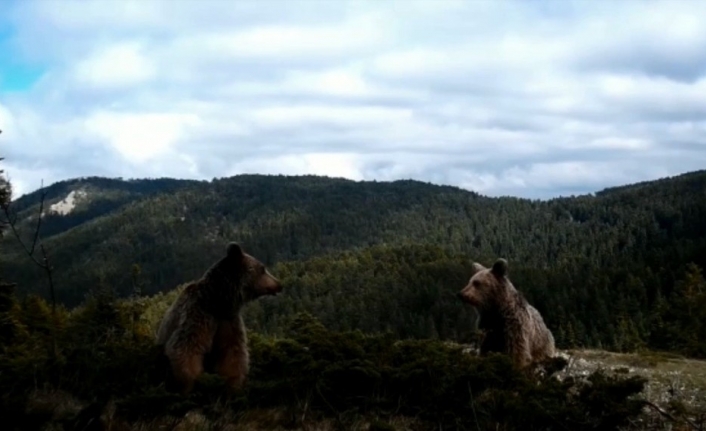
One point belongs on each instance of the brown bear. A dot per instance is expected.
(512, 325)
(203, 329)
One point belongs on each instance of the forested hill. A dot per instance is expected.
(390, 256)
(89, 197)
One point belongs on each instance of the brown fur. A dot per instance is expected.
(512, 325)
(203, 329)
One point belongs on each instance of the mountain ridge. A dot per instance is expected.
(30, 198)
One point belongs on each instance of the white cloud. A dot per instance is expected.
(568, 178)
(525, 98)
(7, 121)
(286, 41)
(27, 179)
(139, 137)
(344, 116)
(115, 67)
(341, 165)
(336, 82)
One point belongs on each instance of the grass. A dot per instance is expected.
(64, 412)
(673, 380)
(676, 385)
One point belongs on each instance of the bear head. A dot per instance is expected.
(254, 278)
(487, 286)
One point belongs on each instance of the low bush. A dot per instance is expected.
(103, 357)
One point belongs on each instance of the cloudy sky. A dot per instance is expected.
(531, 98)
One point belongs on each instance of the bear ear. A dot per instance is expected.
(500, 267)
(477, 267)
(234, 250)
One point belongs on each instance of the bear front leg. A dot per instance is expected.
(233, 366)
(518, 345)
(232, 358)
(186, 369)
(185, 350)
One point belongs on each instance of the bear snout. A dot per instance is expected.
(461, 296)
(466, 298)
(274, 286)
(278, 288)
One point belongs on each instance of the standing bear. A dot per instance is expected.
(512, 325)
(203, 329)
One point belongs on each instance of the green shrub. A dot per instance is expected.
(103, 355)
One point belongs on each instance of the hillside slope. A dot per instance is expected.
(389, 256)
(70, 203)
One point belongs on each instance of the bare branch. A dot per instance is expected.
(48, 270)
(5, 203)
(671, 417)
(12, 221)
(39, 218)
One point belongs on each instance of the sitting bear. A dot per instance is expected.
(512, 325)
(203, 329)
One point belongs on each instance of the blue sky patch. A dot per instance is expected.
(15, 75)
(14, 78)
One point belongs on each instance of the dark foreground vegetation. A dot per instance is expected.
(98, 364)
